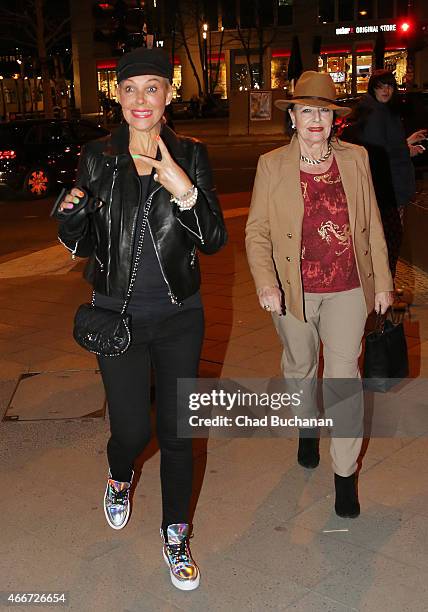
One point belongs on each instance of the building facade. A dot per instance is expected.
(223, 46)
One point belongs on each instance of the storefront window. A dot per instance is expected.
(239, 71)
(10, 95)
(364, 69)
(218, 78)
(396, 62)
(339, 68)
(176, 83)
(278, 73)
(107, 83)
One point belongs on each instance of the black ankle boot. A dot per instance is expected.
(346, 505)
(308, 455)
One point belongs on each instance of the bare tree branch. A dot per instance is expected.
(59, 29)
(182, 32)
(6, 13)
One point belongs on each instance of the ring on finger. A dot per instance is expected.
(266, 307)
(156, 177)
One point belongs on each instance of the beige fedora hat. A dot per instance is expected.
(314, 89)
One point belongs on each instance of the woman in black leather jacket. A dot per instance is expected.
(144, 175)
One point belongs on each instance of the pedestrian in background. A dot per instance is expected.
(317, 254)
(149, 183)
(376, 124)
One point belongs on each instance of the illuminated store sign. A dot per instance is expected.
(385, 27)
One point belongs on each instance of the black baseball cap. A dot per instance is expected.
(144, 61)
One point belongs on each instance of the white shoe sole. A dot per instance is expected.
(112, 525)
(183, 585)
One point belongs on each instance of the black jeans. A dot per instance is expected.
(173, 346)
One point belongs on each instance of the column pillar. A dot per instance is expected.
(84, 64)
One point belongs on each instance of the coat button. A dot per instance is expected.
(288, 282)
(366, 252)
(288, 258)
(363, 229)
(289, 235)
(369, 274)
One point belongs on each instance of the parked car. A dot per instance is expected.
(36, 154)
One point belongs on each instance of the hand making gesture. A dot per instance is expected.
(168, 172)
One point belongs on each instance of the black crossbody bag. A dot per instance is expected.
(105, 332)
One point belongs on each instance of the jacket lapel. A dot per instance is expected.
(348, 173)
(287, 191)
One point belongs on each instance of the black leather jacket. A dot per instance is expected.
(107, 172)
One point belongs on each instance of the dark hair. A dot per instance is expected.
(382, 77)
(291, 131)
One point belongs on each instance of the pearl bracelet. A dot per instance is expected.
(187, 200)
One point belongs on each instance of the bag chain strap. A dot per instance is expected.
(137, 256)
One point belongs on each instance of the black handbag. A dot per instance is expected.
(101, 331)
(105, 332)
(386, 360)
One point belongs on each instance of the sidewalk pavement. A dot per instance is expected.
(266, 535)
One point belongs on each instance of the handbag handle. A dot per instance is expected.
(395, 317)
(380, 322)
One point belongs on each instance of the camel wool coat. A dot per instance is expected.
(274, 226)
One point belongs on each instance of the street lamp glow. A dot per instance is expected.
(205, 27)
(204, 35)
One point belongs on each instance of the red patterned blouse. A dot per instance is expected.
(328, 260)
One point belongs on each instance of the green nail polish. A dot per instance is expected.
(76, 200)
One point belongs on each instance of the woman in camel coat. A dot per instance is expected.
(317, 253)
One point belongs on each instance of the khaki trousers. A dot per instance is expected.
(337, 320)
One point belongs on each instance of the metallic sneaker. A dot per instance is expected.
(117, 506)
(182, 568)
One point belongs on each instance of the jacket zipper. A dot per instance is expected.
(109, 225)
(100, 263)
(72, 251)
(173, 298)
(134, 225)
